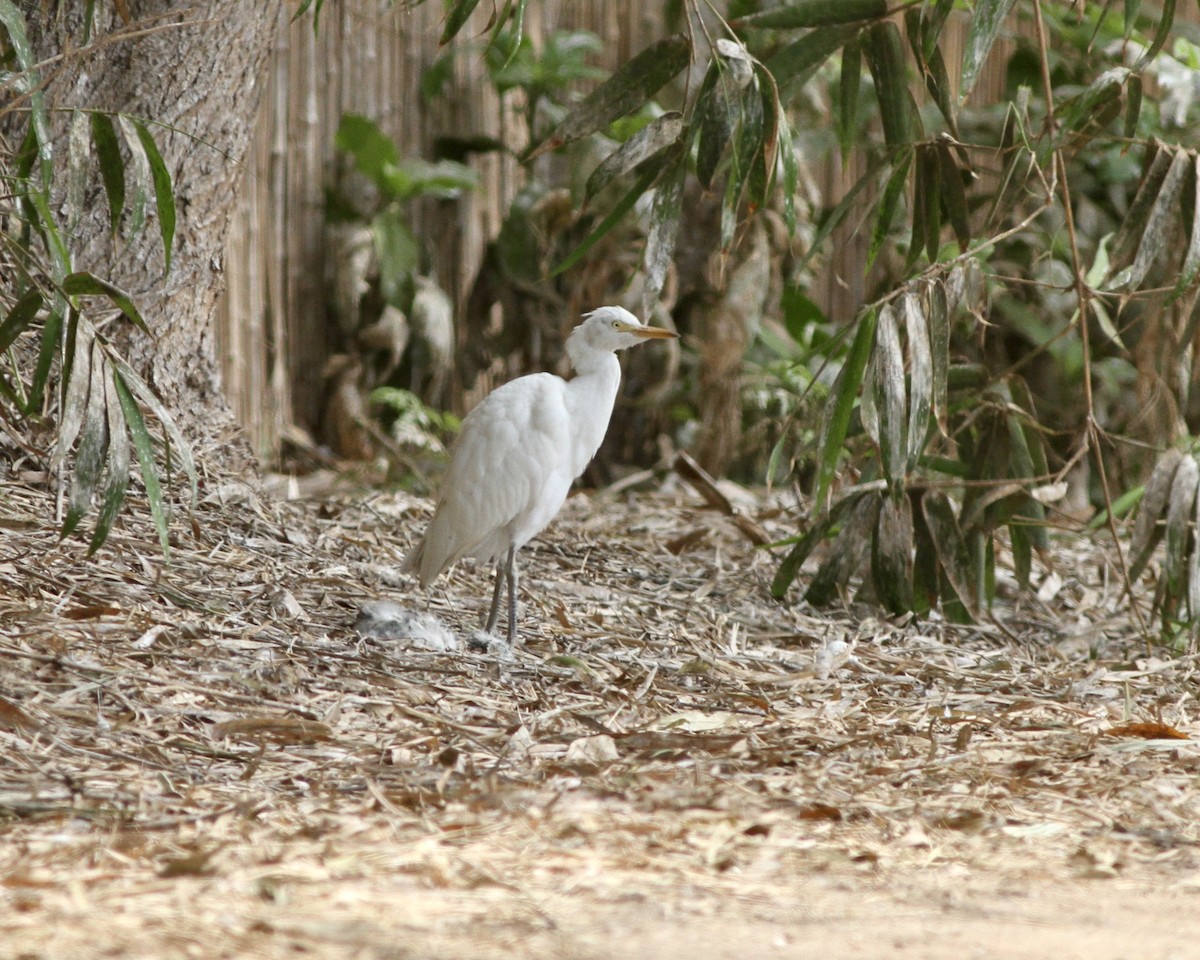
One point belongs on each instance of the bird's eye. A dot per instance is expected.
(616, 324)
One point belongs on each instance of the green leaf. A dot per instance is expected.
(798, 61)
(399, 253)
(885, 56)
(1157, 227)
(164, 192)
(840, 406)
(147, 398)
(459, 14)
(47, 352)
(849, 84)
(143, 178)
(891, 398)
(13, 22)
(1165, 21)
(1146, 531)
(20, 316)
(791, 171)
(1181, 507)
(920, 377)
(631, 86)
(885, 213)
(848, 552)
(953, 194)
(657, 135)
(144, 447)
(112, 167)
(927, 209)
(374, 153)
(622, 207)
(813, 13)
(93, 444)
(954, 559)
(1191, 259)
(84, 283)
(78, 160)
(75, 384)
(117, 479)
(718, 115)
(892, 555)
(665, 212)
(937, 313)
(985, 24)
(790, 567)
(1133, 105)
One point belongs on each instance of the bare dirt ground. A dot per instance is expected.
(202, 759)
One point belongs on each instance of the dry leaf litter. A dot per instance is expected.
(205, 757)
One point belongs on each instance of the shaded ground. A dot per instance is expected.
(203, 759)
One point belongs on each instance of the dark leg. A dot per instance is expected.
(511, 573)
(494, 613)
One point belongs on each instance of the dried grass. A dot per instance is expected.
(201, 758)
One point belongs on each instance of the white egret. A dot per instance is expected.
(518, 452)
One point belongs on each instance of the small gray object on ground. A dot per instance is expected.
(385, 620)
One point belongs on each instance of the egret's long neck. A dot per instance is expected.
(591, 395)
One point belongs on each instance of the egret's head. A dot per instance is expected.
(606, 330)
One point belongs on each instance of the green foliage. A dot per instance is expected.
(398, 181)
(54, 309)
(413, 423)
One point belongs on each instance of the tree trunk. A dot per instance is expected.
(194, 76)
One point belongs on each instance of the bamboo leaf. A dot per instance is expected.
(1146, 531)
(76, 384)
(143, 179)
(20, 316)
(1191, 260)
(144, 447)
(164, 192)
(798, 61)
(1193, 567)
(840, 406)
(920, 377)
(117, 479)
(791, 171)
(813, 13)
(13, 22)
(937, 313)
(892, 399)
(847, 553)
(1159, 221)
(132, 383)
(836, 216)
(954, 559)
(1165, 20)
(849, 85)
(631, 86)
(1133, 105)
(459, 14)
(84, 283)
(1181, 508)
(615, 215)
(885, 56)
(1158, 162)
(657, 135)
(985, 24)
(718, 114)
(892, 555)
(885, 214)
(953, 194)
(47, 351)
(820, 530)
(78, 158)
(112, 166)
(93, 445)
(932, 22)
(665, 212)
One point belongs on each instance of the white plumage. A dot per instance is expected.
(518, 453)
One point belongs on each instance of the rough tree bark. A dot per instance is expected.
(193, 72)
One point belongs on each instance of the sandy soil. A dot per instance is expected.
(202, 758)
